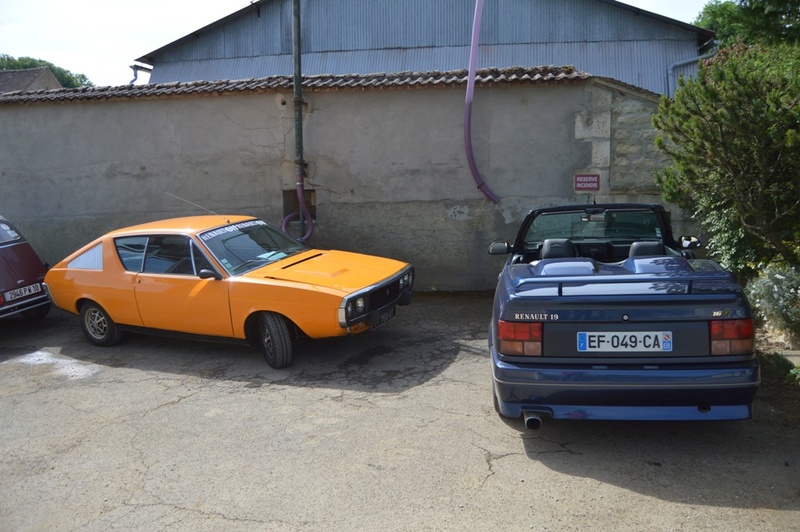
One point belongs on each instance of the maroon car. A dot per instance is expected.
(21, 276)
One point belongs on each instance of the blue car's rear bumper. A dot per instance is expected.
(625, 393)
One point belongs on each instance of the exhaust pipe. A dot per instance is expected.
(532, 420)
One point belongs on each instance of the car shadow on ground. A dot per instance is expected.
(736, 464)
(406, 352)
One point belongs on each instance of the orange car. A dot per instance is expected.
(228, 277)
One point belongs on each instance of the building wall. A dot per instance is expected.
(605, 38)
(388, 167)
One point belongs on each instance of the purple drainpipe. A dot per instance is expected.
(473, 59)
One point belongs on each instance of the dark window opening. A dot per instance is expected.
(291, 205)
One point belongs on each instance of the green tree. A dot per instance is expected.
(771, 21)
(65, 77)
(725, 18)
(752, 21)
(733, 133)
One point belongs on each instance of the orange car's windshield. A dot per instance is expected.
(245, 246)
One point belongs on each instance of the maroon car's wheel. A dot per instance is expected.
(98, 326)
(276, 343)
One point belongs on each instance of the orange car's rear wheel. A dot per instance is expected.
(276, 343)
(98, 326)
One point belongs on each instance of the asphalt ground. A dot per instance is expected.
(389, 430)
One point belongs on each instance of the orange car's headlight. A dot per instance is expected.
(406, 281)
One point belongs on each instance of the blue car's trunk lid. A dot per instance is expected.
(643, 308)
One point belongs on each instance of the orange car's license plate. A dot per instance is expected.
(385, 316)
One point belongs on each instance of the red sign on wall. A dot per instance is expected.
(587, 182)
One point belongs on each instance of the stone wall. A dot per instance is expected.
(388, 167)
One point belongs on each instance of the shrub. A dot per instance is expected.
(775, 296)
(733, 134)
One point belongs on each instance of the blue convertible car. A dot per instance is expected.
(600, 313)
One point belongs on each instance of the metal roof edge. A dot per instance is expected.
(704, 36)
(254, 4)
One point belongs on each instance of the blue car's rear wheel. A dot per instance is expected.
(276, 343)
(98, 326)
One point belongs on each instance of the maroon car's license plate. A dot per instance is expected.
(22, 292)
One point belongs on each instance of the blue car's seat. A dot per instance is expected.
(558, 248)
(646, 248)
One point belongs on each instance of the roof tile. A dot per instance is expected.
(487, 76)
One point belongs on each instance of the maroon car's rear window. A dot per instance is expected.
(7, 233)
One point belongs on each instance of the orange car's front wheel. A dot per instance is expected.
(276, 343)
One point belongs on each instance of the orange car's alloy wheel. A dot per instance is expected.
(98, 326)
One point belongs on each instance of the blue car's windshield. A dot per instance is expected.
(608, 224)
(245, 246)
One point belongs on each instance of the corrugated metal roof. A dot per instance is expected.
(604, 37)
(402, 80)
(644, 64)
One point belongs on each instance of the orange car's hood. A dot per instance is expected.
(340, 270)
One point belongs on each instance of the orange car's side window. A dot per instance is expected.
(168, 254)
(131, 251)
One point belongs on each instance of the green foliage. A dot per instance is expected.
(752, 21)
(771, 21)
(65, 77)
(725, 19)
(733, 134)
(726, 244)
(775, 294)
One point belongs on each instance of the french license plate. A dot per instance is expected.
(385, 316)
(614, 342)
(22, 292)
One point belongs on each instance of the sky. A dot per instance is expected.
(102, 38)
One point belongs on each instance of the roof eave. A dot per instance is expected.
(359, 82)
(704, 36)
(148, 59)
